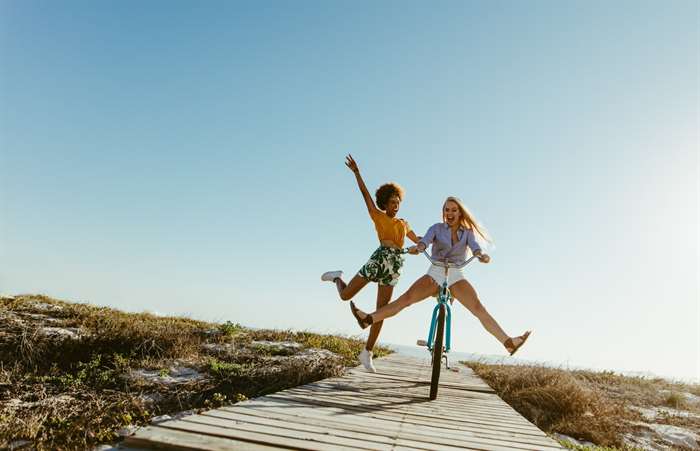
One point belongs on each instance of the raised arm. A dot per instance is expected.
(350, 163)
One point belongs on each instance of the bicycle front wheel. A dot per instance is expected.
(437, 352)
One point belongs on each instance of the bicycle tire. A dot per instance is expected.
(437, 353)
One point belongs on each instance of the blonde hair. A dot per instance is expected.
(466, 219)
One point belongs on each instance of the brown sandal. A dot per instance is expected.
(509, 342)
(363, 322)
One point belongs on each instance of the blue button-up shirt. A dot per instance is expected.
(440, 236)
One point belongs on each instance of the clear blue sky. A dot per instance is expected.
(187, 158)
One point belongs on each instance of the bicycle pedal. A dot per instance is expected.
(422, 343)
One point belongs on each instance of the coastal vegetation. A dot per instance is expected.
(75, 375)
(600, 410)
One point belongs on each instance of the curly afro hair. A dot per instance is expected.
(385, 192)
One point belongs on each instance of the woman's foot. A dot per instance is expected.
(330, 276)
(513, 344)
(366, 360)
(363, 319)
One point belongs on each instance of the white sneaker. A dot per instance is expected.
(366, 360)
(330, 276)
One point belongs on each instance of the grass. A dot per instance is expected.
(593, 406)
(105, 330)
(346, 347)
(226, 370)
(568, 445)
(676, 401)
(556, 401)
(65, 393)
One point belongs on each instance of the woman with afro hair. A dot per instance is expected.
(384, 266)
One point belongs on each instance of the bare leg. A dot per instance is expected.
(421, 289)
(383, 297)
(347, 292)
(466, 294)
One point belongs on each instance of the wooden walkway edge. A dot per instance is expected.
(388, 410)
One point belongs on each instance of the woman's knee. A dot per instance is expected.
(346, 295)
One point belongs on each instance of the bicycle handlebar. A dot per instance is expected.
(444, 264)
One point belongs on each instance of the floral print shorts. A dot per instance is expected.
(384, 266)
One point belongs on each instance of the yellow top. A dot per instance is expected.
(392, 229)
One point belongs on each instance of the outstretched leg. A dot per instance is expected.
(347, 291)
(383, 297)
(421, 289)
(465, 293)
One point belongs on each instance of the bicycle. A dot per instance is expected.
(442, 315)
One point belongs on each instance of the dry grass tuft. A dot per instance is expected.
(556, 401)
(102, 330)
(599, 407)
(640, 391)
(347, 347)
(63, 415)
(676, 401)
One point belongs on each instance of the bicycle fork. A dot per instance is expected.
(448, 330)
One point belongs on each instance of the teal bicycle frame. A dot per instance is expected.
(444, 298)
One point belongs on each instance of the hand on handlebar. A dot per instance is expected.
(413, 250)
(484, 258)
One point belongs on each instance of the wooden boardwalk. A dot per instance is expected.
(389, 410)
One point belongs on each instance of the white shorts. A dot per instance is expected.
(437, 273)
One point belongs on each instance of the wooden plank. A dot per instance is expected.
(372, 438)
(300, 441)
(369, 405)
(461, 385)
(417, 387)
(464, 410)
(431, 412)
(154, 437)
(408, 417)
(286, 430)
(341, 429)
(422, 382)
(378, 378)
(466, 383)
(336, 391)
(450, 427)
(381, 421)
(456, 370)
(447, 400)
(380, 434)
(430, 430)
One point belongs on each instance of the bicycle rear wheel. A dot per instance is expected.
(437, 352)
